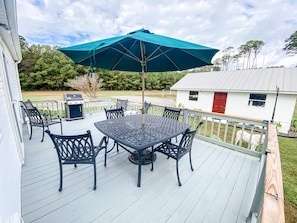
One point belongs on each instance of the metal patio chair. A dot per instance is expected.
(122, 103)
(114, 113)
(111, 114)
(37, 119)
(178, 151)
(76, 149)
(172, 113)
(147, 105)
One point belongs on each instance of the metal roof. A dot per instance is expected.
(253, 80)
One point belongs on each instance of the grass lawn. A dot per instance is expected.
(287, 146)
(288, 153)
(58, 95)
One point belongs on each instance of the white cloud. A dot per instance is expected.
(218, 24)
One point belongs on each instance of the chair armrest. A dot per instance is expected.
(103, 143)
(48, 115)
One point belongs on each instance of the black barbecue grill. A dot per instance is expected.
(74, 106)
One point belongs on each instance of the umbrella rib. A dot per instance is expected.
(127, 53)
(195, 56)
(152, 54)
(165, 54)
(149, 58)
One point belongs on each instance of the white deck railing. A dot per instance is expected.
(217, 128)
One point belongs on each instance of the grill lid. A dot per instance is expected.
(73, 97)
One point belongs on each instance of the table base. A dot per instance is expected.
(146, 157)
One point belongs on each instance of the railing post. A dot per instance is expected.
(185, 115)
(266, 137)
(109, 102)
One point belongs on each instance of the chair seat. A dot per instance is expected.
(82, 155)
(45, 123)
(171, 150)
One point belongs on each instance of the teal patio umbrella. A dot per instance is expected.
(141, 51)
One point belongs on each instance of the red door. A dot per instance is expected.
(219, 102)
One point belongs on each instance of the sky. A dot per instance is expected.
(214, 23)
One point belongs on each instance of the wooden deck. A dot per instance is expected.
(220, 189)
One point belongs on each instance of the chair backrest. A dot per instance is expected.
(146, 107)
(114, 113)
(188, 137)
(171, 113)
(27, 104)
(34, 116)
(74, 148)
(122, 103)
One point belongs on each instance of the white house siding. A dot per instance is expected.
(237, 105)
(11, 145)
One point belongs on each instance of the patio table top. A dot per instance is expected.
(130, 131)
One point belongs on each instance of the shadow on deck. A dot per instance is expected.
(221, 188)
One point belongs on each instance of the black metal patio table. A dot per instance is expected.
(129, 131)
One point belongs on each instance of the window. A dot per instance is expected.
(257, 100)
(193, 96)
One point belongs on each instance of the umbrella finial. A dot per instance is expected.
(140, 30)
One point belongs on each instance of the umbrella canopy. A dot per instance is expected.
(141, 51)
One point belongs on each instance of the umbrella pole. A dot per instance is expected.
(142, 110)
(142, 77)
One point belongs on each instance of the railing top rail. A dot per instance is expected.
(229, 117)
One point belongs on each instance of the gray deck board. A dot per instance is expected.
(220, 189)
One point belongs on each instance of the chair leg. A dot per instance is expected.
(177, 172)
(95, 179)
(114, 144)
(30, 131)
(42, 133)
(61, 127)
(190, 157)
(105, 154)
(61, 178)
(152, 158)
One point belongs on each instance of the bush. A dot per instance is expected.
(89, 85)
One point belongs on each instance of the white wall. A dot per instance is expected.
(204, 102)
(237, 105)
(11, 144)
